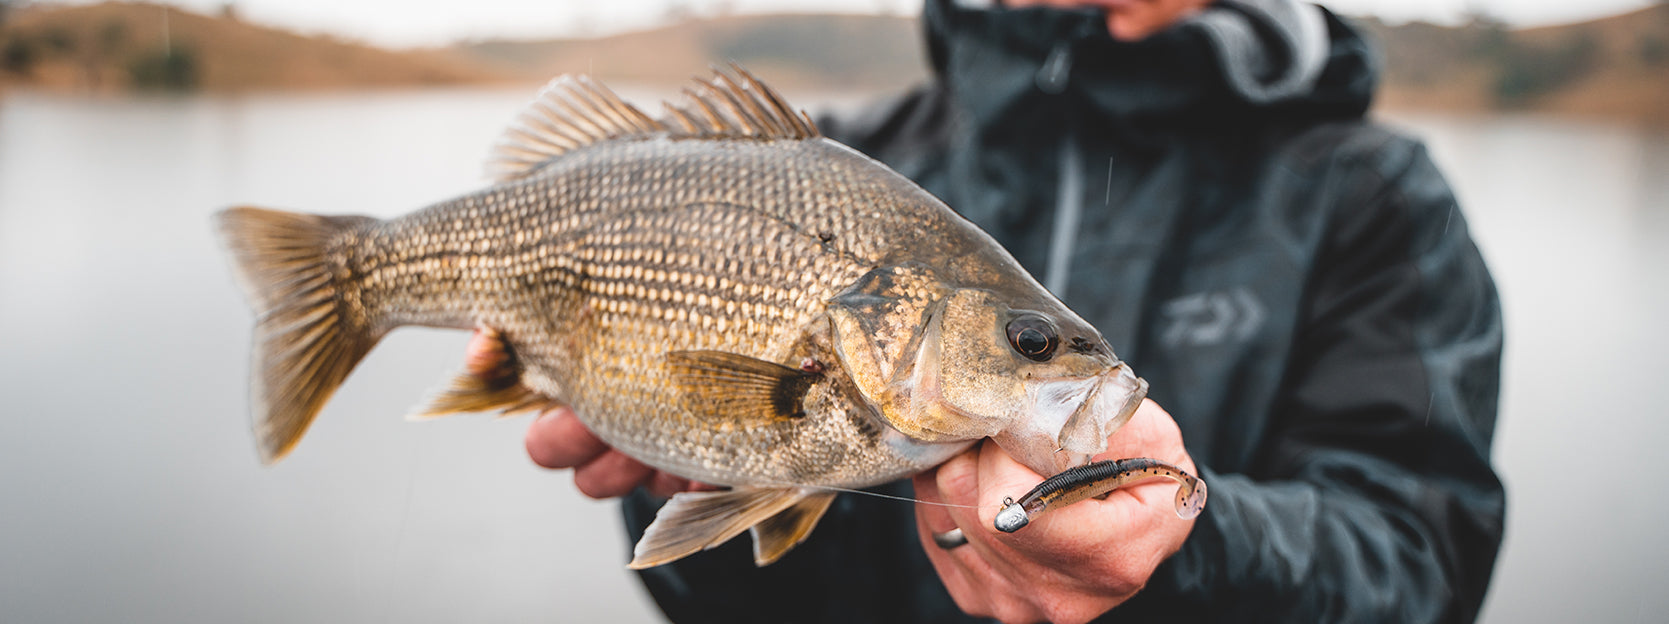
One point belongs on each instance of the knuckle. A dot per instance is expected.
(1011, 611)
(596, 488)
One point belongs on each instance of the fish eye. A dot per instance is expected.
(1033, 337)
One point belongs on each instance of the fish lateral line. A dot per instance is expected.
(1097, 479)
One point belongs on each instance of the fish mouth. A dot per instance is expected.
(1072, 418)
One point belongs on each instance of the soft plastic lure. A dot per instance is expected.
(1098, 479)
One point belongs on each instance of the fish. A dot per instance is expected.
(720, 292)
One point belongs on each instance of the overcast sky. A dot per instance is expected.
(403, 23)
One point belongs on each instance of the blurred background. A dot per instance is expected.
(129, 485)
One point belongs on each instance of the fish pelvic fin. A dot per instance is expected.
(695, 521)
(492, 381)
(307, 336)
(778, 534)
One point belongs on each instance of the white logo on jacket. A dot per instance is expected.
(1211, 318)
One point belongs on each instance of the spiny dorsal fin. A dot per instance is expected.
(571, 112)
(575, 111)
(737, 106)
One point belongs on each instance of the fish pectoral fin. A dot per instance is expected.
(778, 534)
(695, 521)
(739, 389)
(491, 381)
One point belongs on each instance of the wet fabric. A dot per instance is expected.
(1296, 283)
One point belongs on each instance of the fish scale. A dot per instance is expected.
(722, 294)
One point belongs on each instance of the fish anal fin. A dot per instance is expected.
(695, 521)
(491, 381)
(738, 389)
(470, 393)
(778, 534)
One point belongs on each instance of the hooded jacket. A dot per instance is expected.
(1296, 283)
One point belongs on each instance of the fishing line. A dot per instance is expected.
(897, 498)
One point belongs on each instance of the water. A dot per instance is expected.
(131, 490)
(1574, 219)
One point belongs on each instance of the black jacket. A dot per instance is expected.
(1295, 282)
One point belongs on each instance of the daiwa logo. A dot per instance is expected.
(1211, 318)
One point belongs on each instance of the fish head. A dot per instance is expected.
(1031, 375)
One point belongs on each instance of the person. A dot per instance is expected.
(1197, 180)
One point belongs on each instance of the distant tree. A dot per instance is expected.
(112, 35)
(1490, 37)
(171, 69)
(1652, 50)
(58, 40)
(1526, 73)
(1479, 17)
(18, 55)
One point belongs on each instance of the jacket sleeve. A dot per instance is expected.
(1373, 500)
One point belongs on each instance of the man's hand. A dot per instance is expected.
(1072, 563)
(557, 439)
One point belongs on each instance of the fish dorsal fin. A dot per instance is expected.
(574, 111)
(569, 113)
(738, 106)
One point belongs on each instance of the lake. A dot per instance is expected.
(129, 476)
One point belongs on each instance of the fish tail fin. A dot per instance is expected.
(307, 338)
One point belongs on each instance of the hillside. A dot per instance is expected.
(126, 46)
(1615, 67)
(797, 51)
